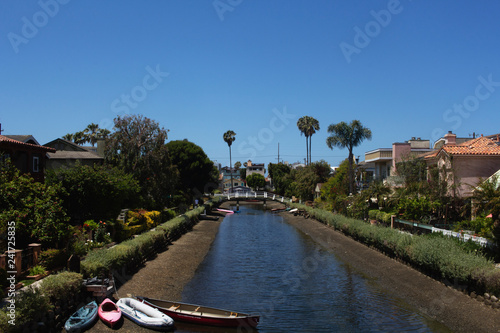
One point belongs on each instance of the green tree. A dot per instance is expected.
(305, 180)
(278, 173)
(256, 181)
(68, 137)
(348, 136)
(229, 138)
(35, 208)
(308, 126)
(322, 169)
(91, 133)
(196, 170)
(138, 147)
(96, 193)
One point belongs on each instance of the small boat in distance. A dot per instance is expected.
(82, 319)
(203, 315)
(225, 211)
(144, 315)
(109, 312)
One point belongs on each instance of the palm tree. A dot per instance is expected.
(68, 137)
(308, 126)
(91, 133)
(348, 136)
(229, 137)
(79, 138)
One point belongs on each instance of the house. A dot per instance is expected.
(255, 168)
(225, 178)
(382, 161)
(68, 153)
(26, 154)
(465, 164)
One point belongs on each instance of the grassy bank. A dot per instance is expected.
(439, 257)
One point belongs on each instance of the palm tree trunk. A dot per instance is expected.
(351, 173)
(310, 146)
(307, 150)
(231, 169)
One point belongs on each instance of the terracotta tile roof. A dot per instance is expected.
(477, 147)
(5, 140)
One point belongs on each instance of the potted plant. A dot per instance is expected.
(37, 272)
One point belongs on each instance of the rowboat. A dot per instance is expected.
(202, 314)
(82, 319)
(144, 315)
(109, 312)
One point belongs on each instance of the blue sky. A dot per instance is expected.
(199, 68)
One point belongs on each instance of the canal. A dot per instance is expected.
(260, 264)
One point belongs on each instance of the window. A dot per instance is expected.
(36, 164)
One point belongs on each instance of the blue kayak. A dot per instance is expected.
(83, 318)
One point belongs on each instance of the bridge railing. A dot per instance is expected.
(257, 195)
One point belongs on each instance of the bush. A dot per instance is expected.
(37, 270)
(31, 304)
(61, 286)
(53, 259)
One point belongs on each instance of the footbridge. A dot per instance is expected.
(251, 196)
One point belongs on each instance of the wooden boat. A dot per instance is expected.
(202, 314)
(144, 315)
(109, 312)
(82, 319)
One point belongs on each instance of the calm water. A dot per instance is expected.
(260, 264)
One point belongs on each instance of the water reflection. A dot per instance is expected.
(260, 264)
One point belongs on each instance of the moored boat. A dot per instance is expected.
(225, 211)
(144, 315)
(82, 319)
(109, 312)
(202, 314)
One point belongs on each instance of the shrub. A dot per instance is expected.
(31, 303)
(37, 270)
(61, 286)
(53, 258)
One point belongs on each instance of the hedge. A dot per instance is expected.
(135, 251)
(438, 256)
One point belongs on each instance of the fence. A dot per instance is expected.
(427, 228)
(19, 261)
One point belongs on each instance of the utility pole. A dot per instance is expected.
(278, 153)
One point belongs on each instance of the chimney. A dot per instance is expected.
(450, 138)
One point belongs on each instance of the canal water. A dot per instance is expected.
(260, 264)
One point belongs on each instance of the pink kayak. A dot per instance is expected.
(109, 312)
(225, 211)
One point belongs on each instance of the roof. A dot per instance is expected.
(58, 142)
(9, 141)
(481, 146)
(76, 155)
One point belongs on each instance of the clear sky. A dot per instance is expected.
(199, 68)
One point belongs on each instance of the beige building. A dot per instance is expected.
(383, 161)
(255, 168)
(466, 164)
